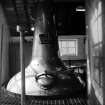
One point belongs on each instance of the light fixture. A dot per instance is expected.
(18, 28)
(80, 9)
(32, 27)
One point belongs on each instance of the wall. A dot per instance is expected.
(4, 40)
(96, 49)
(14, 55)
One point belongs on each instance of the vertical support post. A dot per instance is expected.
(1, 48)
(22, 67)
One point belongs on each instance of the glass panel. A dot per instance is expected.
(72, 51)
(68, 47)
(72, 43)
(64, 44)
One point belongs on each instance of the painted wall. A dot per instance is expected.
(95, 55)
(4, 45)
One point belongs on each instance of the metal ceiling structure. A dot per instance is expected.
(19, 11)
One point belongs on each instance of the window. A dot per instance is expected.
(68, 47)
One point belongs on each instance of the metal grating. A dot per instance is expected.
(8, 100)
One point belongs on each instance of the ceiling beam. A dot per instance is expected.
(15, 8)
(25, 4)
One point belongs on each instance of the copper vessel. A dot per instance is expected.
(45, 74)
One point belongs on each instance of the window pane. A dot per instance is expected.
(68, 47)
(60, 44)
(64, 44)
(72, 43)
(63, 51)
(71, 51)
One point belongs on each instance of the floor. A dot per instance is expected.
(11, 100)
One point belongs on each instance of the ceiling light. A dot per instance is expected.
(80, 9)
(32, 28)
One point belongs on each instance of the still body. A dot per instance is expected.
(43, 76)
